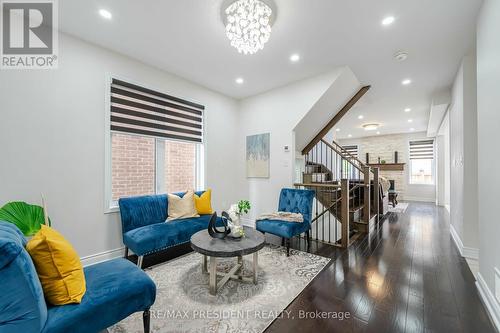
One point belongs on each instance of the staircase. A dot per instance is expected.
(347, 191)
(345, 204)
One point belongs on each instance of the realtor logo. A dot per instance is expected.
(29, 34)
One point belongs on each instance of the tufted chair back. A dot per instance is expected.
(22, 304)
(297, 201)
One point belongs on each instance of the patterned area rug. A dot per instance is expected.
(400, 207)
(183, 303)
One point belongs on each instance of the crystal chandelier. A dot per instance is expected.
(248, 25)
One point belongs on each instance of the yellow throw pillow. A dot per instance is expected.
(203, 203)
(181, 208)
(58, 266)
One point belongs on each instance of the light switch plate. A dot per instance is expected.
(497, 284)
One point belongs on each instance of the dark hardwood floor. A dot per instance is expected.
(406, 277)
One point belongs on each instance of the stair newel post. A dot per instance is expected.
(376, 192)
(344, 190)
(366, 203)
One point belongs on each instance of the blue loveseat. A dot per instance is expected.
(144, 228)
(115, 290)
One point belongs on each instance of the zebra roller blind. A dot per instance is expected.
(422, 150)
(139, 110)
(352, 149)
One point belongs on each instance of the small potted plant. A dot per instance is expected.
(235, 213)
(243, 207)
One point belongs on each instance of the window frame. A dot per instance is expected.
(345, 163)
(352, 145)
(111, 206)
(433, 164)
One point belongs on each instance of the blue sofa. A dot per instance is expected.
(293, 201)
(144, 230)
(115, 290)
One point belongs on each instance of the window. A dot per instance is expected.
(133, 165)
(348, 171)
(422, 162)
(156, 143)
(351, 149)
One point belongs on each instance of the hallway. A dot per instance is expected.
(407, 277)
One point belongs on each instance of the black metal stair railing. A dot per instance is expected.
(341, 183)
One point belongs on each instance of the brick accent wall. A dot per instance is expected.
(132, 165)
(180, 167)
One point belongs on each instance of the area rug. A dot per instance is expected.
(183, 302)
(400, 207)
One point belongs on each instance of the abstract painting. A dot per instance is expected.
(258, 156)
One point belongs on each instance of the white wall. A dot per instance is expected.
(344, 86)
(384, 146)
(276, 112)
(488, 98)
(463, 151)
(52, 135)
(443, 161)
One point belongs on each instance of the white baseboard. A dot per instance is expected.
(419, 199)
(247, 222)
(102, 256)
(466, 252)
(491, 304)
(119, 253)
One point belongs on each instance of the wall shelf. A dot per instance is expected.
(388, 166)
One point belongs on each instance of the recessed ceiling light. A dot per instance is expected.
(406, 82)
(349, 136)
(378, 133)
(407, 110)
(294, 57)
(338, 129)
(106, 14)
(360, 116)
(410, 120)
(239, 80)
(370, 127)
(412, 129)
(388, 20)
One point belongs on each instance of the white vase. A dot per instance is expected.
(236, 221)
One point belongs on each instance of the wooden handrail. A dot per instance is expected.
(340, 153)
(335, 119)
(345, 152)
(326, 210)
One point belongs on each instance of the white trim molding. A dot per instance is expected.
(491, 304)
(466, 252)
(418, 199)
(247, 222)
(102, 256)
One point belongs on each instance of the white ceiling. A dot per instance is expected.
(187, 38)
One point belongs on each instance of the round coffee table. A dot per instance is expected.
(251, 243)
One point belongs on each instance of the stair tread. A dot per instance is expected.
(356, 208)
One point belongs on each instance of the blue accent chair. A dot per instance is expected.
(293, 201)
(145, 231)
(115, 290)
